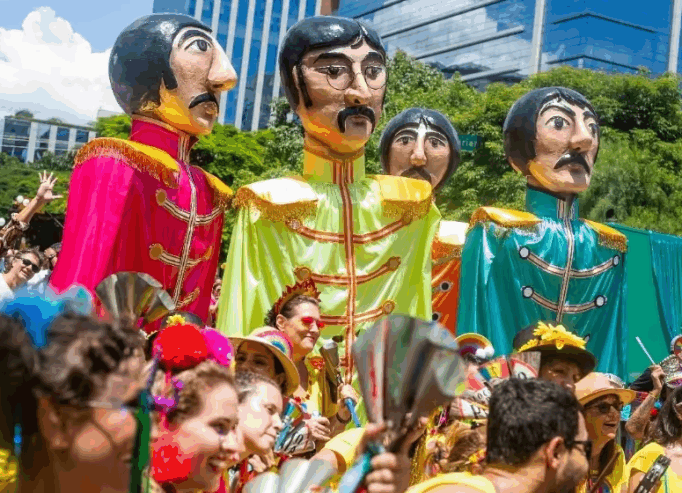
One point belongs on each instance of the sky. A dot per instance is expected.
(54, 56)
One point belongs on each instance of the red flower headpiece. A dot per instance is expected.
(303, 288)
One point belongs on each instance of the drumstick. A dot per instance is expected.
(645, 351)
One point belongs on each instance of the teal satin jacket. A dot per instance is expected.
(545, 264)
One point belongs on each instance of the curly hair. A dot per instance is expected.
(196, 381)
(287, 310)
(70, 370)
(526, 414)
(668, 425)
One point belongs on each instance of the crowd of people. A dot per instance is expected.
(131, 365)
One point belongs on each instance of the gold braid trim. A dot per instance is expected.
(274, 212)
(222, 193)
(408, 209)
(123, 151)
(504, 217)
(608, 236)
(443, 252)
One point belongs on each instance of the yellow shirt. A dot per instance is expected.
(644, 459)
(614, 481)
(454, 479)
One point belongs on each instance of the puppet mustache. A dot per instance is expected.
(365, 111)
(417, 172)
(206, 97)
(573, 158)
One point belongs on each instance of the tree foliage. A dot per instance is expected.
(637, 179)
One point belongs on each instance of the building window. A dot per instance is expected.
(82, 136)
(15, 138)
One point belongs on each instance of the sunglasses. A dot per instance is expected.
(605, 407)
(34, 267)
(310, 320)
(587, 447)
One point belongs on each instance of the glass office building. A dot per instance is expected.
(506, 40)
(30, 139)
(250, 31)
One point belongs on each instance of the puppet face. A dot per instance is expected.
(202, 71)
(346, 86)
(420, 152)
(566, 145)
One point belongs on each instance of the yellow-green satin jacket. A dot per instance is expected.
(545, 264)
(364, 240)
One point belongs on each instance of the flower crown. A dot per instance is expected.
(303, 288)
(546, 334)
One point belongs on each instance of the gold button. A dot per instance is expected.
(302, 273)
(295, 224)
(388, 307)
(161, 196)
(393, 263)
(155, 251)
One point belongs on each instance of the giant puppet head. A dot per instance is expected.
(420, 143)
(551, 135)
(168, 67)
(333, 71)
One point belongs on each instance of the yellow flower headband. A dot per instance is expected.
(175, 320)
(546, 334)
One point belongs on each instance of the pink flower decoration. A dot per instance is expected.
(219, 347)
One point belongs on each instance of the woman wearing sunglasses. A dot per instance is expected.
(23, 266)
(297, 314)
(67, 384)
(603, 398)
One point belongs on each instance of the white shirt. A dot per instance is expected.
(5, 292)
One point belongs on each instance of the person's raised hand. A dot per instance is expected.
(45, 190)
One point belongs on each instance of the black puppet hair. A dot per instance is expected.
(140, 59)
(524, 415)
(314, 33)
(520, 125)
(432, 118)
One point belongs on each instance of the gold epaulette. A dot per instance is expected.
(222, 193)
(404, 197)
(449, 241)
(140, 157)
(608, 236)
(504, 217)
(279, 199)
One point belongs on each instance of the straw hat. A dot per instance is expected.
(596, 385)
(280, 347)
(555, 340)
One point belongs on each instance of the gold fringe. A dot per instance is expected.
(609, 237)
(442, 252)
(245, 197)
(407, 209)
(504, 217)
(223, 194)
(119, 149)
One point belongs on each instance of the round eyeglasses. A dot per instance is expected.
(341, 77)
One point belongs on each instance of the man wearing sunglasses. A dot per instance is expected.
(22, 267)
(364, 240)
(536, 441)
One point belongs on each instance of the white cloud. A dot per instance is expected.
(51, 70)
